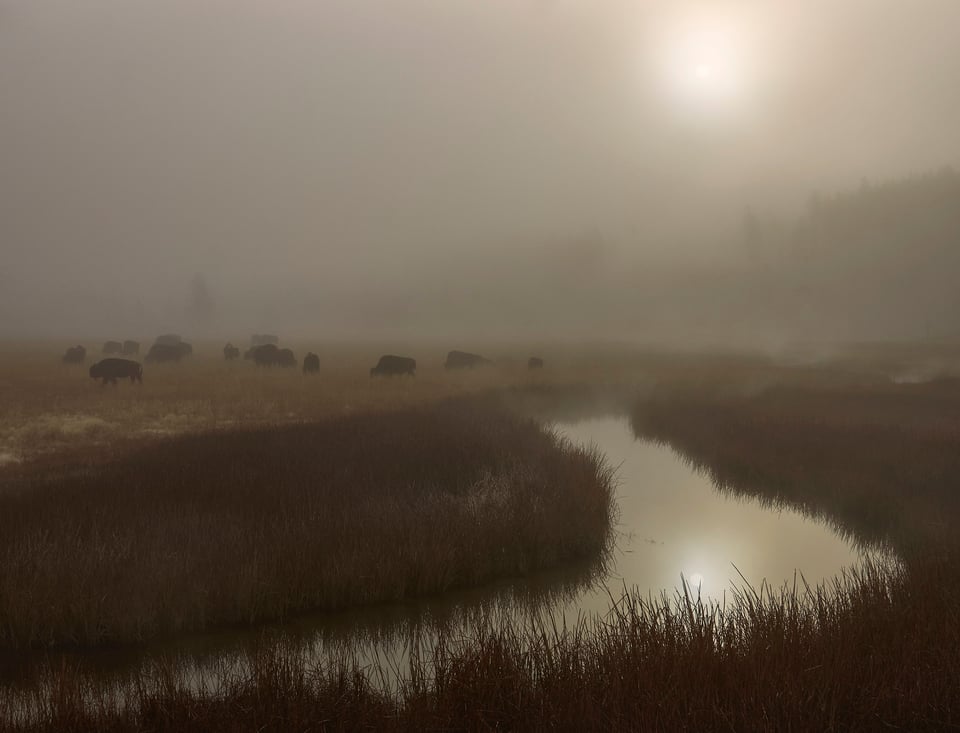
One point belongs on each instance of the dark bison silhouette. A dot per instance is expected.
(390, 366)
(311, 363)
(112, 347)
(230, 352)
(535, 362)
(264, 355)
(131, 348)
(160, 353)
(464, 360)
(75, 355)
(264, 339)
(110, 370)
(286, 358)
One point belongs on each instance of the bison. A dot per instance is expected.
(285, 358)
(311, 363)
(535, 362)
(230, 352)
(110, 370)
(264, 355)
(464, 360)
(130, 348)
(160, 353)
(75, 355)
(264, 339)
(112, 347)
(390, 366)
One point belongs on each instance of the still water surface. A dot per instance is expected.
(674, 523)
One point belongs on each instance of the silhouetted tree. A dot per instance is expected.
(201, 304)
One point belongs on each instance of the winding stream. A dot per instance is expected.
(672, 524)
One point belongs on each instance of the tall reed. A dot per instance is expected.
(244, 526)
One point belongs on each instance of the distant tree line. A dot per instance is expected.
(883, 259)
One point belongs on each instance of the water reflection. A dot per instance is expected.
(674, 524)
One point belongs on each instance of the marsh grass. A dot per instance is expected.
(868, 652)
(882, 463)
(238, 527)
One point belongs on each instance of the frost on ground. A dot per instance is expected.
(49, 426)
(173, 423)
(8, 457)
(49, 432)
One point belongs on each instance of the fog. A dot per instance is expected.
(717, 172)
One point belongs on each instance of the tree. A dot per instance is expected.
(201, 305)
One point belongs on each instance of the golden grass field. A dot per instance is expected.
(50, 408)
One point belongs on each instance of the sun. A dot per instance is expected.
(703, 71)
(704, 62)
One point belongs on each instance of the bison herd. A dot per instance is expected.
(264, 351)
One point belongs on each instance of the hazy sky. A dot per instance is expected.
(326, 164)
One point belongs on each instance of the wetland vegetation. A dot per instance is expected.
(245, 526)
(875, 647)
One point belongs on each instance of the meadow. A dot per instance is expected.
(841, 441)
(126, 533)
(52, 411)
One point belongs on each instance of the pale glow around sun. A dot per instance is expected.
(695, 581)
(704, 62)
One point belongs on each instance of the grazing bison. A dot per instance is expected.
(112, 347)
(311, 363)
(161, 353)
(390, 366)
(110, 370)
(264, 339)
(535, 362)
(285, 358)
(464, 360)
(264, 355)
(230, 352)
(131, 347)
(75, 355)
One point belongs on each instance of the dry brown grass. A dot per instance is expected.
(881, 461)
(248, 525)
(876, 651)
(50, 408)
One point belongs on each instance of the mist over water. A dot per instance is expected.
(657, 171)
